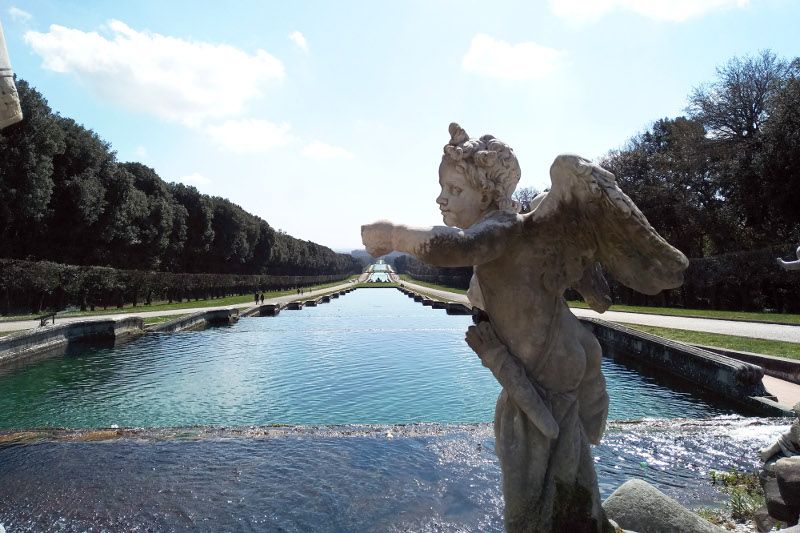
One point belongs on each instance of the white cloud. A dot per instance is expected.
(320, 150)
(299, 39)
(172, 78)
(490, 57)
(196, 179)
(666, 10)
(248, 136)
(19, 15)
(141, 152)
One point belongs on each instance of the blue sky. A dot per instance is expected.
(322, 116)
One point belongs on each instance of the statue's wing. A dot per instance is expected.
(587, 219)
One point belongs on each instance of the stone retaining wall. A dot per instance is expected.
(199, 320)
(777, 367)
(734, 381)
(18, 346)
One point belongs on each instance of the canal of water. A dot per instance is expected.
(370, 357)
(388, 417)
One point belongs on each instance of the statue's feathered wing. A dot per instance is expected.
(589, 220)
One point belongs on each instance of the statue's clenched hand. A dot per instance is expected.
(484, 342)
(377, 238)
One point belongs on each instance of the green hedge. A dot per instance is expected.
(34, 286)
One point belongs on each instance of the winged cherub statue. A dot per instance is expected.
(554, 401)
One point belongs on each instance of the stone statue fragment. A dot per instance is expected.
(791, 265)
(10, 111)
(554, 403)
(788, 444)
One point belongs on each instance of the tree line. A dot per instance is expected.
(33, 286)
(66, 199)
(726, 177)
(721, 184)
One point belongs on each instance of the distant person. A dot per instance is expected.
(262, 298)
(256, 298)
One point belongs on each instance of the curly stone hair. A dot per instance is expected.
(488, 164)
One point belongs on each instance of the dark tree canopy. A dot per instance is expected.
(67, 199)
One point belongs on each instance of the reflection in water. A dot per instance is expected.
(371, 357)
(373, 478)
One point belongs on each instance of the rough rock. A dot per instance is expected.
(636, 505)
(775, 504)
(787, 472)
(764, 522)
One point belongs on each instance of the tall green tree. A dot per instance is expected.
(735, 109)
(26, 172)
(79, 194)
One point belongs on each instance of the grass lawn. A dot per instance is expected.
(367, 285)
(785, 318)
(150, 320)
(406, 277)
(732, 342)
(165, 306)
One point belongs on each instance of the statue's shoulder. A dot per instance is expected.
(501, 219)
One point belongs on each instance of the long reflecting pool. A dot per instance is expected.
(373, 356)
(388, 429)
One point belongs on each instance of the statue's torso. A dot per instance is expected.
(532, 321)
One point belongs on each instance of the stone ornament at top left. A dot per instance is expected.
(10, 111)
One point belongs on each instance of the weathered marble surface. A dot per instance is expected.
(554, 402)
(791, 265)
(788, 444)
(10, 111)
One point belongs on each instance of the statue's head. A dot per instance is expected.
(477, 176)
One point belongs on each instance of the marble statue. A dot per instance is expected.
(791, 265)
(788, 444)
(554, 402)
(10, 111)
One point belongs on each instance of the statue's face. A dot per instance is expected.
(461, 204)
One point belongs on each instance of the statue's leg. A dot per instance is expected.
(547, 485)
(576, 506)
(523, 452)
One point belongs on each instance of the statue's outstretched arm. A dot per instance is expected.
(440, 245)
(790, 265)
(510, 373)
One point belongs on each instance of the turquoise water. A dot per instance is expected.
(373, 356)
(368, 362)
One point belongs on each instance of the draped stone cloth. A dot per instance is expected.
(10, 111)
